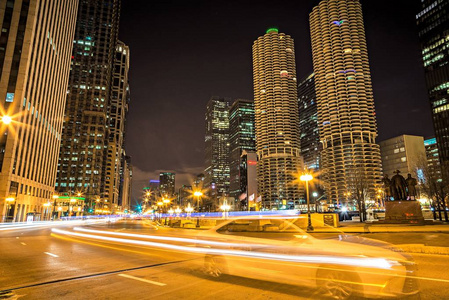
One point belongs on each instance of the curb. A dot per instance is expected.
(420, 248)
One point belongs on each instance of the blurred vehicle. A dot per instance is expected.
(275, 249)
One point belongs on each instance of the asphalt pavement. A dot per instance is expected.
(39, 264)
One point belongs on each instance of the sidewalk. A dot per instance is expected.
(358, 227)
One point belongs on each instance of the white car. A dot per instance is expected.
(275, 249)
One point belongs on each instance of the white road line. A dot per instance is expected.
(143, 280)
(51, 254)
(23, 243)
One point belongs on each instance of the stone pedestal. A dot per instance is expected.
(403, 212)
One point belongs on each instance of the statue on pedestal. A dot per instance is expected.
(411, 187)
(399, 186)
(387, 187)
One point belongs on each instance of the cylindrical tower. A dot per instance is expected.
(277, 119)
(350, 157)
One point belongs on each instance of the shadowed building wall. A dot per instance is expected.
(35, 48)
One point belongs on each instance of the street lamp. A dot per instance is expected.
(307, 178)
(198, 195)
(315, 195)
(225, 208)
(46, 205)
(6, 120)
(188, 210)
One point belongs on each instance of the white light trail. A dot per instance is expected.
(379, 263)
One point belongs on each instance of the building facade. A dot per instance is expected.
(35, 49)
(241, 138)
(167, 184)
(117, 112)
(402, 153)
(433, 159)
(248, 181)
(308, 123)
(85, 144)
(277, 119)
(217, 173)
(346, 115)
(433, 26)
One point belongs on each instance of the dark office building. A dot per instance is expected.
(433, 25)
(241, 137)
(84, 142)
(308, 123)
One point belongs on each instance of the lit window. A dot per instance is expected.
(9, 97)
(404, 159)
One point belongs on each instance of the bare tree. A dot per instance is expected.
(359, 187)
(434, 184)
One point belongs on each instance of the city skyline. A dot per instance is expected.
(224, 68)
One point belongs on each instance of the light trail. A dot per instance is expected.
(162, 238)
(377, 263)
(45, 224)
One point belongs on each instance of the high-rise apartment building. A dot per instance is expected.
(84, 145)
(167, 184)
(402, 153)
(277, 120)
(308, 123)
(346, 116)
(117, 112)
(217, 173)
(433, 26)
(35, 49)
(241, 137)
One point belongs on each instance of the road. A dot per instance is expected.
(36, 264)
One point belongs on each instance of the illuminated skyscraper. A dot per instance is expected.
(308, 123)
(167, 184)
(277, 121)
(36, 41)
(241, 137)
(84, 144)
(217, 147)
(346, 116)
(117, 112)
(433, 25)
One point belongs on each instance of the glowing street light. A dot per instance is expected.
(6, 120)
(306, 178)
(225, 208)
(198, 195)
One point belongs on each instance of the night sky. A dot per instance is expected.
(183, 52)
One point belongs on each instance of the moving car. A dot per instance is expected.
(276, 249)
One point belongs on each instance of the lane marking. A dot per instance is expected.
(23, 243)
(51, 254)
(143, 280)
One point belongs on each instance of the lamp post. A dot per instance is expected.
(188, 210)
(198, 195)
(46, 205)
(225, 208)
(315, 195)
(160, 203)
(307, 178)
